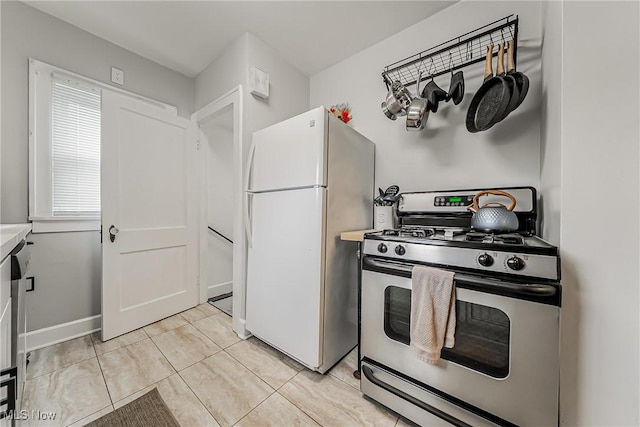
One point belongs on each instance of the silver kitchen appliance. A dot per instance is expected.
(12, 378)
(308, 179)
(503, 368)
(20, 260)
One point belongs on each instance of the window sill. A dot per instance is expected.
(63, 224)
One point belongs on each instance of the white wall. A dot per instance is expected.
(289, 87)
(288, 91)
(444, 155)
(67, 281)
(0, 115)
(551, 122)
(67, 268)
(599, 234)
(229, 70)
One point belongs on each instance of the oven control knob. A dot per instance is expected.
(515, 263)
(400, 250)
(485, 260)
(382, 248)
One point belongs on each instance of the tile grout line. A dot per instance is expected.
(185, 381)
(198, 361)
(286, 382)
(241, 364)
(255, 407)
(102, 372)
(146, 336)
(222, 349)
(219, 345)
(73, 423)
(196, 395)
(65, 366)
(104, 380)
(343, 382)
(293, 403)
(161, 379)
(249, 369)
(175, 371)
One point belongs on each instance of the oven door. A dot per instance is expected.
(505, 359)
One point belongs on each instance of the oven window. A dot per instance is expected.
(481, 337)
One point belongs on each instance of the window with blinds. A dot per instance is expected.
(75, 148)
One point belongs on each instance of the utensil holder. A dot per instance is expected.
(383, 218)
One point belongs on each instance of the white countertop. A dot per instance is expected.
(10, 236)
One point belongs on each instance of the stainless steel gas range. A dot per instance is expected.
(503, 368)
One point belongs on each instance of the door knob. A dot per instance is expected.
(113, 230)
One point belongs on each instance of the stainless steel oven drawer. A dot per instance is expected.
(414, 402)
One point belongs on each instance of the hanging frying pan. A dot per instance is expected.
(522, 80)
(490, 101)
(514, 92)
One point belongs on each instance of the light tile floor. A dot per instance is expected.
(205, 374)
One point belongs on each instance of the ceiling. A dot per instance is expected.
(186, 36)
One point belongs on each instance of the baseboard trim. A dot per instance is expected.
(66, 331)
(219, 289)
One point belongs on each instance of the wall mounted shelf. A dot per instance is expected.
(459, 52)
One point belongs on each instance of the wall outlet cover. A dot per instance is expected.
(117, 76)
(259, 81)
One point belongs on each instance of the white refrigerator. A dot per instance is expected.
(309, 178)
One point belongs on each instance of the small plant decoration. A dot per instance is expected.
(342, 111)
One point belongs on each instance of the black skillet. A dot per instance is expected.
(522, 81)
(514, 92)
(490, 102)
(512, 82)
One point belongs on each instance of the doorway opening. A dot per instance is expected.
(222, 264)
(219, 176)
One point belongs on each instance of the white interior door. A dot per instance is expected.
(148, 190)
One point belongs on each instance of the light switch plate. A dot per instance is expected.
(259, 83)
(117, 76)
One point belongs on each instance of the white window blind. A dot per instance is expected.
(75, 148)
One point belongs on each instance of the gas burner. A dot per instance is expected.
(416, 232)
(507, 239)
(450, 233)
(419, 232)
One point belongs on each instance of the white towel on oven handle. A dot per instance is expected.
(433, 312)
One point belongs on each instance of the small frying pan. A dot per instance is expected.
(490, 101)
(522, 80)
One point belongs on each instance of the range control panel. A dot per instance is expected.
(450, 201)
(460, 200)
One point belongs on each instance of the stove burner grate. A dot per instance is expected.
(419, 232)
(507, 239)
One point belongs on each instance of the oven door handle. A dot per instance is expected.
(10, 384)
(401, 394)
(404, 269)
